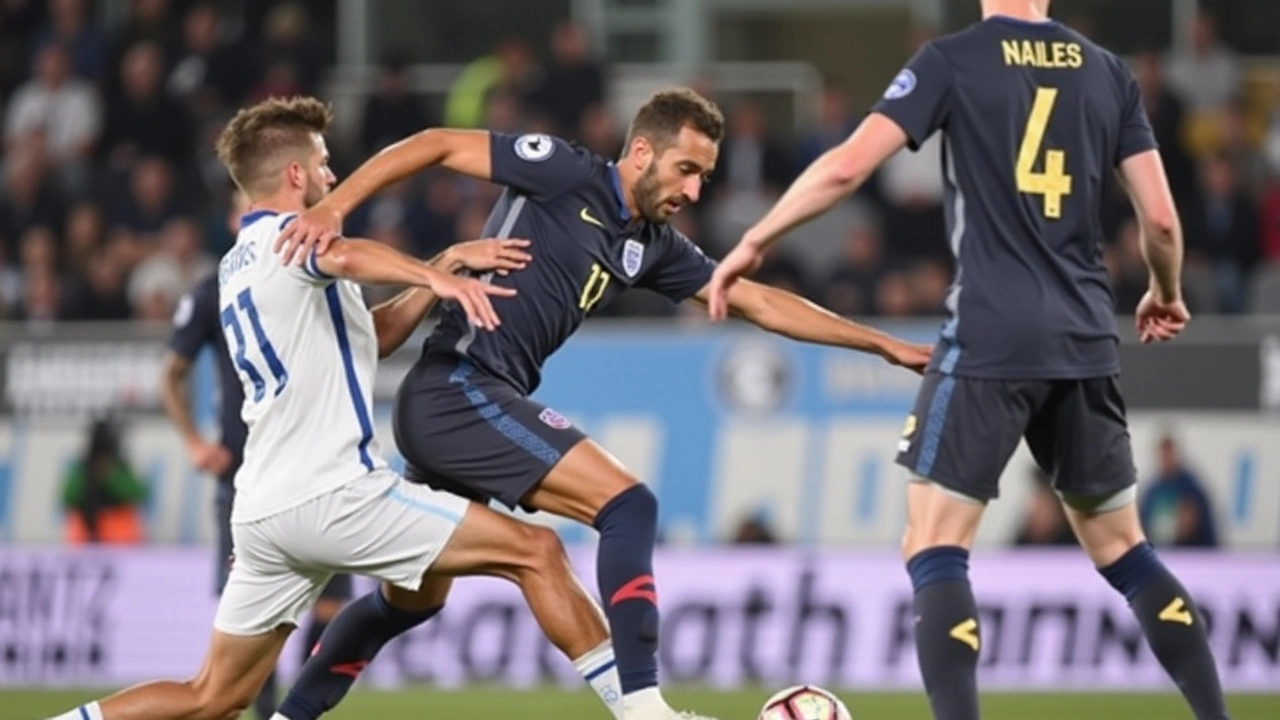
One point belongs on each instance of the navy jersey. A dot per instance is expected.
(197, 324)
(1035, 119)
(586, 249)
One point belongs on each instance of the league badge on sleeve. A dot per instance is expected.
(534, 147)
(901, 85)
(632, 257)
(553, 419)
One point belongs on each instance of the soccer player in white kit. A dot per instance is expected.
(314, 496)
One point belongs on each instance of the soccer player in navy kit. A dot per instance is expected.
(464, 419)
(1035, 119)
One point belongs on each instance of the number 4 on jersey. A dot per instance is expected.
(1054, 183)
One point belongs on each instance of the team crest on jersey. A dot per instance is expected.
(901, 85)
(632, 257)
(535, 147)
(553, 419)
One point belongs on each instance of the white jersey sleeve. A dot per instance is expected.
(306, 352)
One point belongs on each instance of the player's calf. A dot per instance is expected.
(1109, 529)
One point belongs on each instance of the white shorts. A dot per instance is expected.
(380, 525)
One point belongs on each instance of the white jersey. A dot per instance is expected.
(306, 352)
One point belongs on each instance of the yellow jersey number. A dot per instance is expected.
(593, 288)
(1054, 183)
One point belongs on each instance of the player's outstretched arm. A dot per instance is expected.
(1162, 314)
(175, 396)
(463, 151)
(365, 261)
(790, 315)
(395, 320)
(836, 174)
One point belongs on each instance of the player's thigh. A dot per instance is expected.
(236, 667)
(1080, 437)
(939, 517)
(489, 543)
(581, 484)
(1107, 532)
(468, 433)
(962, 432)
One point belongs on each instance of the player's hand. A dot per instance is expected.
(473, 296)
(910, 356)
(209, 457)
(315, 228)
(499, 255)
(1158, 320)
(739, 263)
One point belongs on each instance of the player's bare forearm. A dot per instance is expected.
(1162, 249)
(395, 320)
(464, 151)
(366, 261)
(1143, 177)
(790, 315)
(836, 174)
(175, 397)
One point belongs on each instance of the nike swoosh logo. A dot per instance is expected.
(587, 218)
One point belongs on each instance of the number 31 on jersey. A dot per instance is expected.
(1054, 183)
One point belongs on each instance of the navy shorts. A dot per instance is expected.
(464, 431)
(339, 587)
(963, 431)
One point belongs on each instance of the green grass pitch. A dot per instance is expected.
(741, 705)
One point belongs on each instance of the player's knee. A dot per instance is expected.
(544, 549)
(640, 504)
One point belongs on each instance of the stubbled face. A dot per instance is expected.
(673, 178)
(319, 178)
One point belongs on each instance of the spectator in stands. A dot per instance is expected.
(598, 131)
(835, 123)
(754, 530)
(571, 82)
(1206, 75)
(84, 234)
(850, 289)
(29, 199)
(41, 301)
(509, 68)
(99, 292)
(159, 281)
(392, 112)
(287, 42)
(149, 22)
(101, 494)
(143, 119)
(207, 73)
(1167, 114)
(19, 21)
(893, 295)
(752, 159)
(1222, 230)
(151, 202)
(57, 115)
(69, 26)
(10, 285)
(1045, 523)
(1176, 509)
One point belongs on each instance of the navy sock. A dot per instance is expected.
(352, 639)
(1173, 626)
(946, 631)
(628, 525)
(314, 632)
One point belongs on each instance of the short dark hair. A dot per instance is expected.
(259, 139)
(666, 112)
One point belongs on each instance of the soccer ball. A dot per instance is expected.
(804, 702)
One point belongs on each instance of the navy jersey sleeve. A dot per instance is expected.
(1136, 135)
(919, 98)
(537, 165)
(196, 320)
(681, 271)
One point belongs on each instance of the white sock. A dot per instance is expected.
(600, 670)
(90, 711)
(278, 716)
(642, 701)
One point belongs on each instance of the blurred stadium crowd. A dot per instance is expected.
(113, 203)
